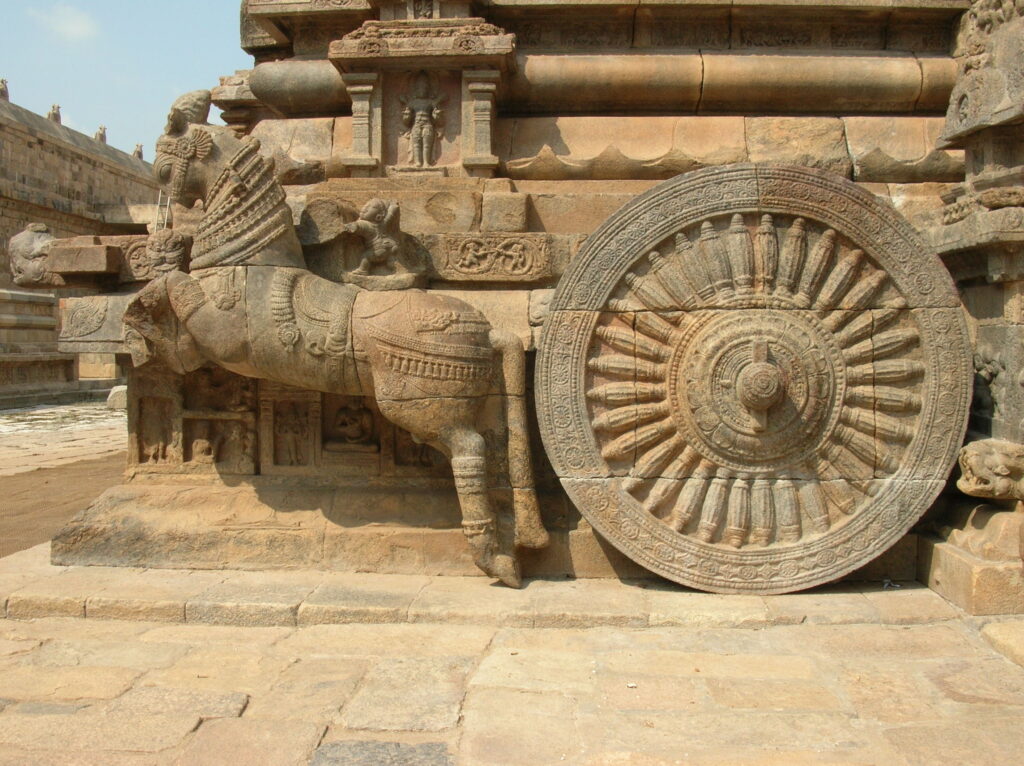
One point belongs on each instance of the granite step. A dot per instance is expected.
(30, 587)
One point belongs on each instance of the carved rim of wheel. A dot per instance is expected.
(754, 378)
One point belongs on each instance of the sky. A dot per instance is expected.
(119, 63)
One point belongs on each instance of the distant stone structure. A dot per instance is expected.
(752, 374)
(69, 184)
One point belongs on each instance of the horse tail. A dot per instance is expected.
(529, 529)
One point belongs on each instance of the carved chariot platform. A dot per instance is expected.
(754, 379)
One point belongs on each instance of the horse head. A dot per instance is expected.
(191, 154)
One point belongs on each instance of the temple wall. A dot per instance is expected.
(75, 185)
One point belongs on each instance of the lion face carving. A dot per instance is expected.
(992, 468)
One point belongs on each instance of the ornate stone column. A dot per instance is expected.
(478, 91)
(976, 559)
(364, 155)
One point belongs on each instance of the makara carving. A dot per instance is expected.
(281, 323)
(754, 379)
(992, 468)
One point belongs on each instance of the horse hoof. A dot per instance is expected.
(506, 569)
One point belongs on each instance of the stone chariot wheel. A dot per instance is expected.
(754, 378)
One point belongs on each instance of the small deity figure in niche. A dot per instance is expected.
(290, 428)
(423, 9)
(378, 226)
(423, 118)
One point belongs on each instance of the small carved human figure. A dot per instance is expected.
(137, 154)
(378, 227)
(155, 436)
(5, 93)
(54, 114)
(423, 118)
(101, 134)
(290, 430)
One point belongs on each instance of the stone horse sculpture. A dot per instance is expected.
(250, 305)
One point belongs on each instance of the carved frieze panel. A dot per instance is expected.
(155, 405)
(494, 257)
(753, 378)
(456, 43)
(219, 421)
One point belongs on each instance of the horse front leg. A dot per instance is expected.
(448, 424)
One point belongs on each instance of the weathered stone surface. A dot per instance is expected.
(900, 150)
(503, 211)
(1007, 638)
(63, 595)
(373, 753)
(790, 694)
(267, 598)
(147, 734)
(383, 641)
(409, 694)
(463, 600)
(117, 399)
(311, 690)
(159, 595)
(160, 700)
(496, 718)
(230, 741)
(976, 585)
(23, 682)
(134, 655)
(363, 598)
(221, 668)
(815, 143)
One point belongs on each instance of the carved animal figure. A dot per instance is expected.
(992, 468)
(28, 257)
(295, 328)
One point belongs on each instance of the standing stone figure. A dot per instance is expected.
(101, 134)
(54, 114)
(137, 154)
(423, 117)
(5, 93)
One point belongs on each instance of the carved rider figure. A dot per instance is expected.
(378, 227)
(423, 117)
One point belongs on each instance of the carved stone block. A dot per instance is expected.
(494, 257)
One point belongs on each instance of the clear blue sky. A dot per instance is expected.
(119, 63)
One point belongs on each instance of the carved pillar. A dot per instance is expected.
(364, 156)
(478, 92)
(975, 557)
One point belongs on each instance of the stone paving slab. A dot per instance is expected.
(31, 587)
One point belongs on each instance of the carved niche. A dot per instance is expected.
(754, 379)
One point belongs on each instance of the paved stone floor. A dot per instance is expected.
(44, 437)
(104, 667)
(254, 668)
